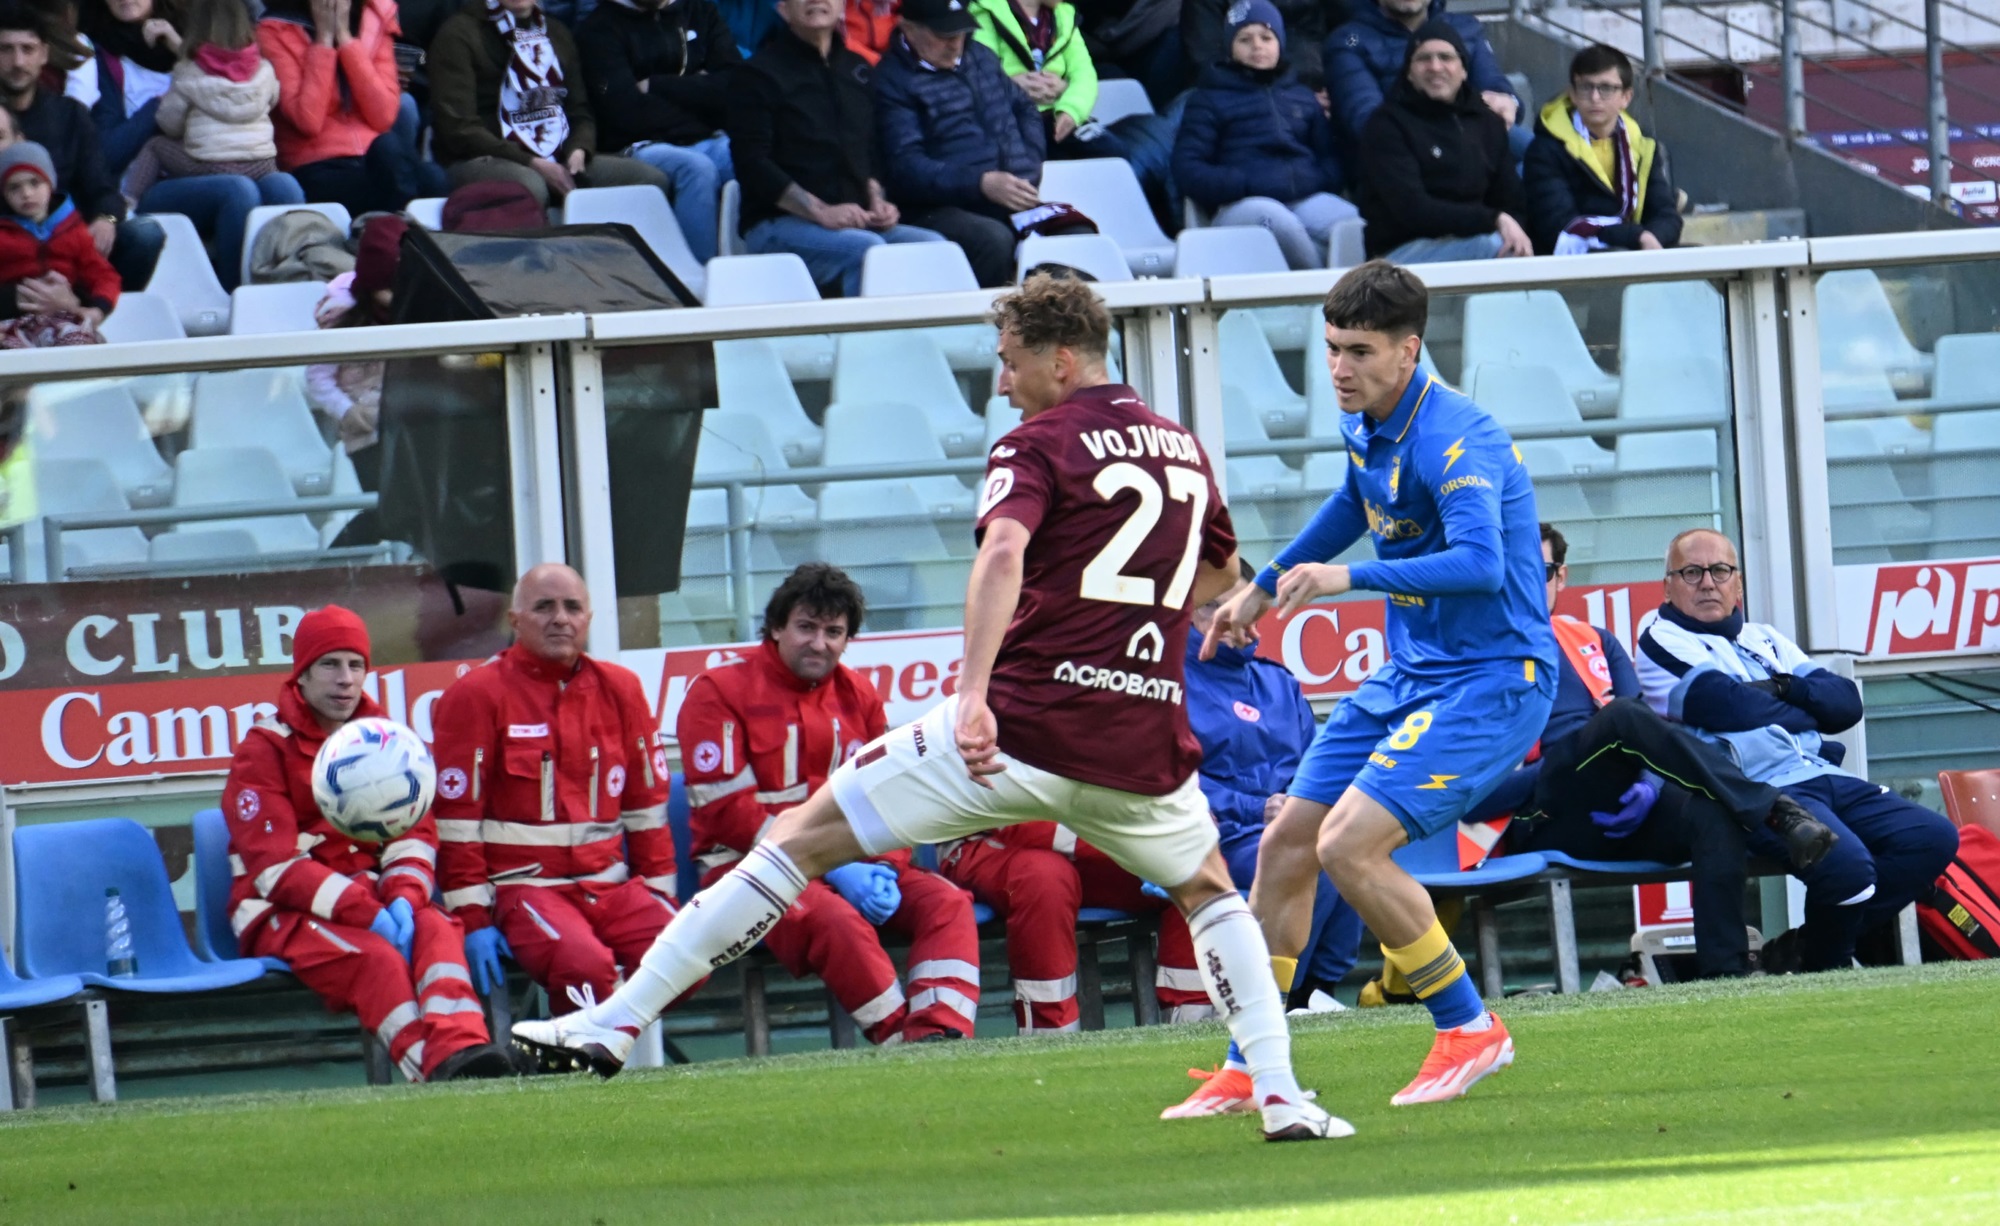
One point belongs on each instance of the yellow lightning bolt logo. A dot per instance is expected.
(1437, 781)
(1452, 455)
(1517, 454)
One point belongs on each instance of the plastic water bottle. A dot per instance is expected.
(120, 962)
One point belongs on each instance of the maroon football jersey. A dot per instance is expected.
(1123, 507)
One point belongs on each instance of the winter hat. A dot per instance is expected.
(1256, 13)
(492, 206)
(1436, 30)
(26, 155)
(381, 249)
(331, 628)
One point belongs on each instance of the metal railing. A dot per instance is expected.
(53, 527)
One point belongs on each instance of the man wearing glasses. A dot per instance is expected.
(1594, 181)
(1750, 689)
(1612, 780)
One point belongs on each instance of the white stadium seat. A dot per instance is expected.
(907, 367)
(1106, 191)
(1860, 338)
(757, 280)
(1249, 365)
(865, 435)
(196, 544)
(210, 476)
(1222, 251)
(143, 317)
(256, 310)
(261, 215)
(1094, 254)
(646, 210)
(750, 376)
(104, 424)
(1001, 416)
(264, 408)
(931, 268)
(1535, 328)
(426, 211)
(1668, 321)
(1118, 97)
(80, 487)
(737, 443)
(186, 278)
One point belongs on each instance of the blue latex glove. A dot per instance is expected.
(1637, 802)
(483, 951)
(869, 888)
(1152, 891)
(397, 925)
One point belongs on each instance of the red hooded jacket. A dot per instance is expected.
(62, 244)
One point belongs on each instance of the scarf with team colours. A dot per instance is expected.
(531, 86)
(1580, 236)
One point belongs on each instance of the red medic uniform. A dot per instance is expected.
(1036, 876)
(306, 893)
(552, 817)
(755, 740)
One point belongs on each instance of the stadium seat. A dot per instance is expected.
(1666, 385)
(212, 476)
(186, 278)
(1326, 471)
(1241, 426)
(195, 545)
(259, 310)
(62, 872)
(1106, 191)
(931, 268)
(757, 280)
(1249, 366)
(1261, 476)
(1966, 448)
(1971, 798)
(19, 993)
(646, 210)
(750, 376)
(346, 483)
(687, 874)
(907, 367)
(735, 443)
(1669, 474)
(867, 434)
(1347, 245)
(103, 424)
(80, 487)
(264, 407)
(1535, 328)
(1118, 97)
(1533, 397)
(1001, 416)
(1094, 255)
(728, 220)
(426, 211)
(261, 215)
(214, 939)
(1226, 250)
(1666, 321)
(143, 317)
(884, 534)
(1861, 341)
(1434, 863)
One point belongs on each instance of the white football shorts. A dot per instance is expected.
(910, 786)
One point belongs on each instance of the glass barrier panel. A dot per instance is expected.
(862, 449)
(1619, 397)
(1923, 723)
(1910, 379)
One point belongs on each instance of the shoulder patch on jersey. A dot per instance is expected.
(707, 756)
(999, 484)
(248, 804)
(614, 781)
(1248, 713)
(451, 783)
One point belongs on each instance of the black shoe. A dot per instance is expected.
(1780, 955)
(481, 1060)
(942, 1036)
(1806, 838)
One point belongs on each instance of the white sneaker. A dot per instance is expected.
(573, 1043)
(1318, 1002)
(1301, 1121)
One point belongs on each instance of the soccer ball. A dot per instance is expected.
(374, 779)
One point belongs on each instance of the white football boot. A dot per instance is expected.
(1285, 1120)
(573, 1043)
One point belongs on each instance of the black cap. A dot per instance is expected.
(940, 16)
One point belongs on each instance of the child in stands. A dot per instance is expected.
(351, 392)
(55, 287)
(216, 117)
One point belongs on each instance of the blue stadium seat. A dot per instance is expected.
(1108, 915)
(19, 993)
(62, 870)
(1434, 863)
(1613, 868)
(687, 874)
(214, 939)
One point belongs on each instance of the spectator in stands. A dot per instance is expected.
(1594, 181)
(508, 102)
(960, 145)
(1205, 37)
(763, 730)
(658, 72)
(1750, 689)
(350, 393)
(869, 27)
(53, 279)
(1254, 723)
(1437, 179)
(63, 127)
(339, 99)
(1139, 39)
(802, 131)
(1615, 781)
(1367, 57)
(1040, 48)
(1254, 145)
(135, 45)
(216, 158)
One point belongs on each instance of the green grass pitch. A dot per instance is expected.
(1865, 1097)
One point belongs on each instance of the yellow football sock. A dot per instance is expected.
(1393, 983)
(1284, 970)
(1429, 963)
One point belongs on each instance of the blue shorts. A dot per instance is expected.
(1428, 748)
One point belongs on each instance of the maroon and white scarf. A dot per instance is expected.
(531, 86)
(1581, 235)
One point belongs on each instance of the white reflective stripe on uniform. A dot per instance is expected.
(882, 1006)
(669, 886)
(327, 896)
(791, 754)
(409, 849)
(1867, 892)
(442, 970)
(1179, 978)
(944, 968)
(307, 842)
(1045, 991)
(951, 998)
(268, 879)
(719, 857)
(236, 868)
(552, 834)
(700, 794)
(1064, 841)
(247, 912)
(480, 895)
(441, 1004)
(791, 795)
(409, 870)
(548, 929)
(412, 1062)
(458, 830)
(652, 818)
(336, 940)
(617, 874)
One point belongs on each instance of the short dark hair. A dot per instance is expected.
(1379, 297)
(822, 589)
(1059, 311)
(1558, 544)
(1598, 57)
(16, 15)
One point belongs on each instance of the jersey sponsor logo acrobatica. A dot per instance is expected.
(1091, 677)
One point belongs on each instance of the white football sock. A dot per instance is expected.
(719, 925)
(1236, 968)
